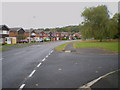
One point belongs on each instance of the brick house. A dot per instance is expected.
(18, 33)
(35, 35)
(77, 35)
(65, 35)
(4, 33)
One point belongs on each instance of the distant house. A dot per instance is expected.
(46, 35)
(65, 35)
(4, 33)
(18, 33)
(27, 34)
(35, 35)
(77, 35)
(58, 35)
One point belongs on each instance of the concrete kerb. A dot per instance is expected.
(88, 85)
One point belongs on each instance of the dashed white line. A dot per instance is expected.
(47, 56)
(51, 51)
(43, 59)
(22, 86)
(32, 73)
(39, 64)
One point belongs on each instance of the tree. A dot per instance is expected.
(116, 25)
(95, 22)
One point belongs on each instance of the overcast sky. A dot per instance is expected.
(47, 14)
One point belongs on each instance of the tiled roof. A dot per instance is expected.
(15, 29)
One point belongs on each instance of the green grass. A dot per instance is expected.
(23, 46)
(6, 45)
(4, 49)
(61, 47)
(111, 45)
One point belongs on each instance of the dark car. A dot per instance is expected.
(22, 41)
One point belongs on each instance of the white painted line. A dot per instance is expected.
(32, 73)
(22, 86)
(52, 51)
(88, 85)
(43, 60)
(39, 64)
(47, 56)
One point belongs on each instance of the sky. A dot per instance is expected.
(47, 14)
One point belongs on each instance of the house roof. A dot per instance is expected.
(15, 29)
(27, 30)
(2, 26)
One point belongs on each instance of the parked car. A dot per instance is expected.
(22, 41)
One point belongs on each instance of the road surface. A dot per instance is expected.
(39, 66)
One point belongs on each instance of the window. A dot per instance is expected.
(5, 32)
(33, 34)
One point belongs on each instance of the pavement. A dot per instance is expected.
(39, 66)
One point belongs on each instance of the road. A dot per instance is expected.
(39, 66)
(18, 63)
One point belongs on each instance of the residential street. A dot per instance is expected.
(19, 63)
(39, 66)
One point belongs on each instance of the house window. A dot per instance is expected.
(5, 32)
(33, 34)
(41, 34)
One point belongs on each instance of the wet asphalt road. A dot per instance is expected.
(18, 63)
(57, 70)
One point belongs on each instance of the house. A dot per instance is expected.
(4, 33)
(58, 35)
(27, 34)
(46, 35)
(65, 35)
(77, 35)
(17, 33)
(35, 35)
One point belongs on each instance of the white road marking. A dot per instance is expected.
(51, 51)
(22, 86)
(39, 64)
(88, 85)
(32, 73)
(47, 56)
(43, 59)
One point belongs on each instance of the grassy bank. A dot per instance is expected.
(62, 47)
(109, 45)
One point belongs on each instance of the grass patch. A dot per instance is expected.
(23, 46)
(109, 45)
(7, 45)
(4, 49)
(61, 47)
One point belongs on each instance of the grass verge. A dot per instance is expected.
(111, 45)
(4, 49)
(23, 46)
(61, 47)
